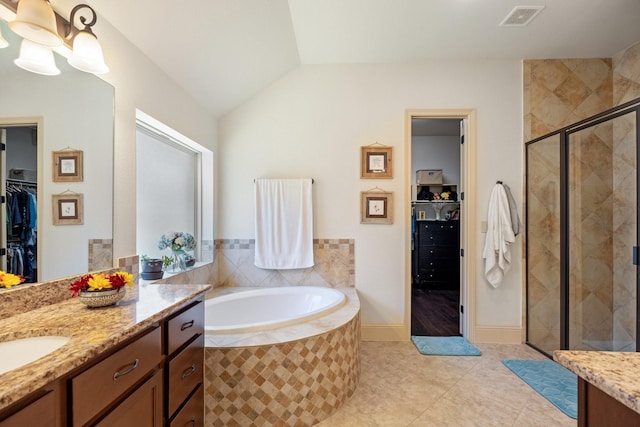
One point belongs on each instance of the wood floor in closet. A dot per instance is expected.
(435, 312)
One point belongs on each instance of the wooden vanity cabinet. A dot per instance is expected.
(184, 372)
(153, 379)
(38, 409)
(101, 388)
(597, 409)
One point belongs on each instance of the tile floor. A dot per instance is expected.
(399, 387)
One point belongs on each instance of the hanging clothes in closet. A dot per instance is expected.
(22, 219)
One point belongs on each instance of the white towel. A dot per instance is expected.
(284, 223)
(500, 235)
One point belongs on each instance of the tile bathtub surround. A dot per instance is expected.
(334, 265)
(290, 384)
(100, 254)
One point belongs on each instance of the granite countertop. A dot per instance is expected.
(615, 373)
(92, 331)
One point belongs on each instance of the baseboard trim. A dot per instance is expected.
(384, 333)
(498, 334)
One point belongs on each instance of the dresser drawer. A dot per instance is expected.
(185, 373)
(184, 325)
(439, 252)
(98, 386)
(192, 414)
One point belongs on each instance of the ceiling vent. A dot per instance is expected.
(521, 16)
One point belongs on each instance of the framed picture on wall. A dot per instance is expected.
(67, 209)
(67, 166)
(376, 161)
(376, 207)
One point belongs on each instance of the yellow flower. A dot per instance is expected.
(8, 280)
(445, 195)
(127, 278)
(99, 282)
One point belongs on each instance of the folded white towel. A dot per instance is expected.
(497, 252)
(283, 223)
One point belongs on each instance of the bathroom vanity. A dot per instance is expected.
(139, 362)
(608, 386)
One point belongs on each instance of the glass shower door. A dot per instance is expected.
(602, 219)
(543, 244)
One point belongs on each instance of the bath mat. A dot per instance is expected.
(444, 346)
(554, 382)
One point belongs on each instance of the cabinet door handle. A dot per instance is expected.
(133, 366)
(191, 422)
(188, 371)
(186, 325)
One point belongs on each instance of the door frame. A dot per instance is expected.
(38, 122)
(467, 221)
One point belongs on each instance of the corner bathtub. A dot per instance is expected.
(294, 369)
(269, 308)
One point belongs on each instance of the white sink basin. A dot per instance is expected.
(19, 352)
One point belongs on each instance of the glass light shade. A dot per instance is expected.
(36, 21)
(87, 54)
(37, 58)
(3, 42)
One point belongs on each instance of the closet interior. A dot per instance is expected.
(435, 231)
(20, 239)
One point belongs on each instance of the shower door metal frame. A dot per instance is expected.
(564, 136)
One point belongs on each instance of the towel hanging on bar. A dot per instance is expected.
(283, 224)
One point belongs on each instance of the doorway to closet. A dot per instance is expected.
(436, 192)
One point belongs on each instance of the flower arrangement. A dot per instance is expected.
(177, 241)
(7, 280)
(441, 196)
(101, 282)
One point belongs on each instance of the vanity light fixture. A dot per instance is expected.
(3, 42)
(87, 52)
(36, 58)
(37, 23)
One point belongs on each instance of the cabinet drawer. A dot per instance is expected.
(438, 275)
(443, 264)
(185, 373)
(440, 252)
(192, 414)
(101, 384)
(185, 325)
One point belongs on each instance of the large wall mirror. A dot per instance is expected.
(71, 111)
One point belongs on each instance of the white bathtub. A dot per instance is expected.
(269, 308)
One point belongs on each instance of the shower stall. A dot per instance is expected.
(582, 234)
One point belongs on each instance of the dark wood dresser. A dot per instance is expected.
(437, 255)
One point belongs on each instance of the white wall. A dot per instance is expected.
(312, 123)
(139, 83)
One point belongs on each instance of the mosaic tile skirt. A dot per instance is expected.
(298, 383)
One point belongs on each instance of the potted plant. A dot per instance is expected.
(151, 268)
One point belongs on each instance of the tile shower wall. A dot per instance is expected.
(333, 258)
(558, 93)
(626, 86)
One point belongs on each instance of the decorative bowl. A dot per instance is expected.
(101, 298)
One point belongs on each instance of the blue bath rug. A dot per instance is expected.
(554, 382)
(444, 346)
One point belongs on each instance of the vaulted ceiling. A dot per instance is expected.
(225, 51)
